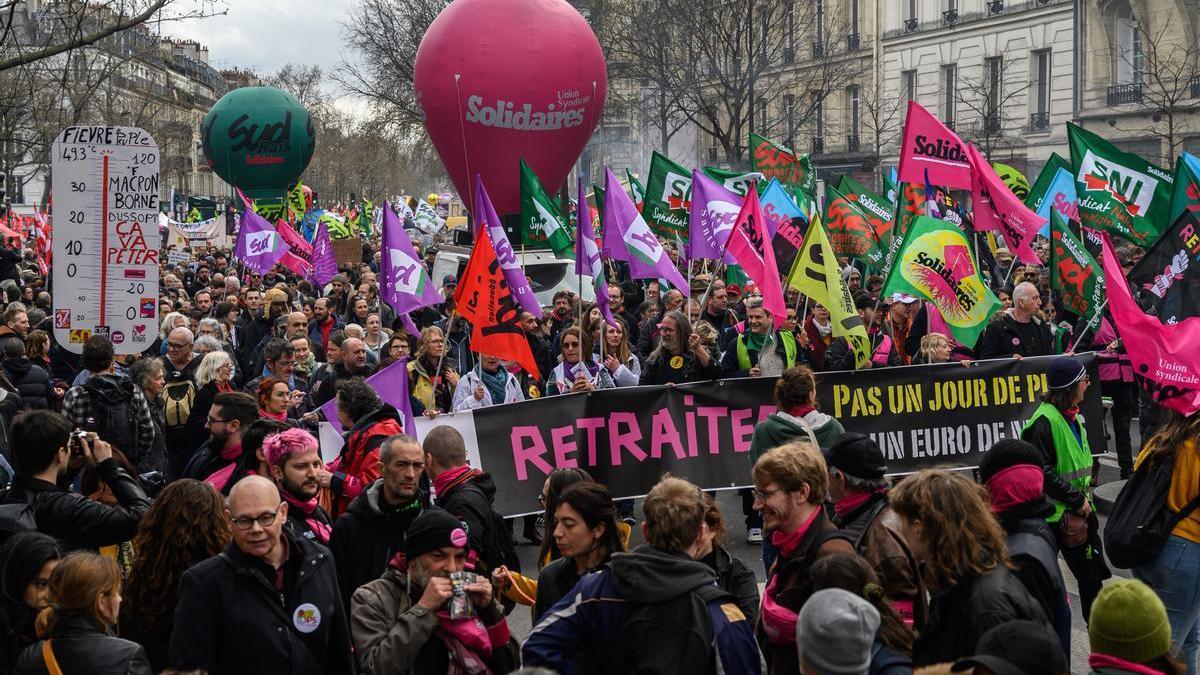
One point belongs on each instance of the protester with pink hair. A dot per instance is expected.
(295, 467)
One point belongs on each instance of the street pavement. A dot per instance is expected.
(751, 554)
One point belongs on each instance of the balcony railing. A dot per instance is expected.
(852, 144)
(995, 7)
(1039, 121)
(818, 145)
(912, 25)
(852, 42)
(1119, 94)
(950, 17)
(818, 49)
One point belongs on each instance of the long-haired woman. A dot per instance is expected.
(945, 519)
(184, 525)
(26, 561)
(77, 626)
(586, 533)
(576, 373)
(622, 364)
(431, 379)
(851, 572)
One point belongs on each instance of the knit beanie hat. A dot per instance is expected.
(1129, 622)
(1064, 371)
(835, 632)
(434, 528)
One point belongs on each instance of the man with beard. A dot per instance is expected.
(267, 604)
(324, 322)
(354, 364)
(371, 532)
(296, 467)
(761, 350)
(679, 357)
(231, 413)
(400, 621)
(560, 316)
(540, 348)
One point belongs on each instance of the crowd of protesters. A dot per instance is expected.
(171, 510)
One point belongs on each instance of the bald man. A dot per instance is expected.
(297, 324)
(1021, 331)
(268, 603)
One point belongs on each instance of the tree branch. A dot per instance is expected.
(82, 40)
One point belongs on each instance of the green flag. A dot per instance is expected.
(1074, 272)
(1118, 191)
(365, 214)
(1045, 179)
(850, 233)
(1015, 180)
(816, 274)
(1187, 186)
(776, 161)
(296, 202)
(737, 182)
(935, 263)
(891, 188)
(541, 222)
(668, 196)
(636, 190)
(877, 208)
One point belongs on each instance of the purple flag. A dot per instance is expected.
(485, 213)
(714, 211)
(409, 326)
(587, 257)
(259, 245)
(404, 283)
(391, 384)
(626, 230)
(324, 263)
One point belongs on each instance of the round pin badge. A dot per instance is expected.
(676, 362)
(306, 618)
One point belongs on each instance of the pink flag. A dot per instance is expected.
(997, 208)
(931, 146)
(751, 247)
(1165, 360)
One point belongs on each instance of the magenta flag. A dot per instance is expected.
(626, 231)
(404, 284)
(324, 262)
(258, 245)
(587, 258)
(997, 208)
(930, 145)
(714, 211)
(514, 276)
(1165, 358)
(391, 384)
(750, 246)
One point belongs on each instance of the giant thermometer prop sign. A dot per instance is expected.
(106, 237)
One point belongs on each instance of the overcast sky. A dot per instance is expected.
(263, 35)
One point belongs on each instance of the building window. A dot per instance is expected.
(908, 85)
(762, 114)
(853, 16)
(1041, 81)
(1126, 43)
(949, 88)
(789, 22)
(993, 69)
(912, 9)
(852, 109)
(819, 40)
(789, 114)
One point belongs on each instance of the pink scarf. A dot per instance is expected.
(787, 542)
(220, 478)
(321, 530)
(268, 415)
(1015, 485)
(448, 479)
(851, 501)
(800, 410)
(1070, 413)
(232, 452)
(1106, 661)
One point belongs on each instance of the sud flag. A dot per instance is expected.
(1074, 272)
(997, 208)
(258, 245)
(485, 299)
(1119, 192)
(737, 182)
(404, 284)
(1165, 360)
(324, 262)
(750, 246)
(774, 161)
(929, 145)
(426, 218)
(667, 199)
(714, 212)
(1168, 276)
(636, 190)
(541, 222)
(628, 238)
(935, 263)
(587, 260)
(816, 274)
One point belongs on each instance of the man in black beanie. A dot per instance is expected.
(1012, 472)
(858, 490)
(400, 623)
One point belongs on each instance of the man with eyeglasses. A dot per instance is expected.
(231, 413)
(268, 603)
(371, 531)
(279, 357)
(179, 391)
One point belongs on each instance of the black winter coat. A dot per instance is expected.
(470, 501)
(231, 620)
(365, 538)
(993, 598)
(32, 382)
(693, 371)
(1001, 338)
(77, 521)
(81, 646)
(738, 580)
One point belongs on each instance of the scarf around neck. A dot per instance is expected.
(319, 529)
(453, 477)
(495, 383)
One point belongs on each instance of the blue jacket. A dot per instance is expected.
(579, 633)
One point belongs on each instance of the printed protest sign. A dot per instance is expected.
(106, 243)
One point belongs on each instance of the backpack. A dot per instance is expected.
(683, 635)
(114, 414)
(17, 517)
(178, 397)
(1141, 521)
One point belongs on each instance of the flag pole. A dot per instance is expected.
(1088, 326)
(437, 373)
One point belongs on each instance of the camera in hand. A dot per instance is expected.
(75, 443)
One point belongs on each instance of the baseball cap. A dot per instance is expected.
(903, 298)
(857, 455)
(449, 280)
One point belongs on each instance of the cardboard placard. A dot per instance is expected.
(347, 250)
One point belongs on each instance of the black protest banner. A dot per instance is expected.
(922, 416)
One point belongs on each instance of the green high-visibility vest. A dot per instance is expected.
(789, 350)
(1073, 457)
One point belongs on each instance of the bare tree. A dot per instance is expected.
(1166, 72)
(882, 117)
(992, 101)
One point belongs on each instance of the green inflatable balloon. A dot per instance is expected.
(259, 139)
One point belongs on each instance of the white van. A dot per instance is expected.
(547, 274)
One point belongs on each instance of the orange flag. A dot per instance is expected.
(484, 298)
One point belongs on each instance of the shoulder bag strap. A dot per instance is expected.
(48, 657)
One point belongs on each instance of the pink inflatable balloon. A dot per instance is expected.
(498, 80)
